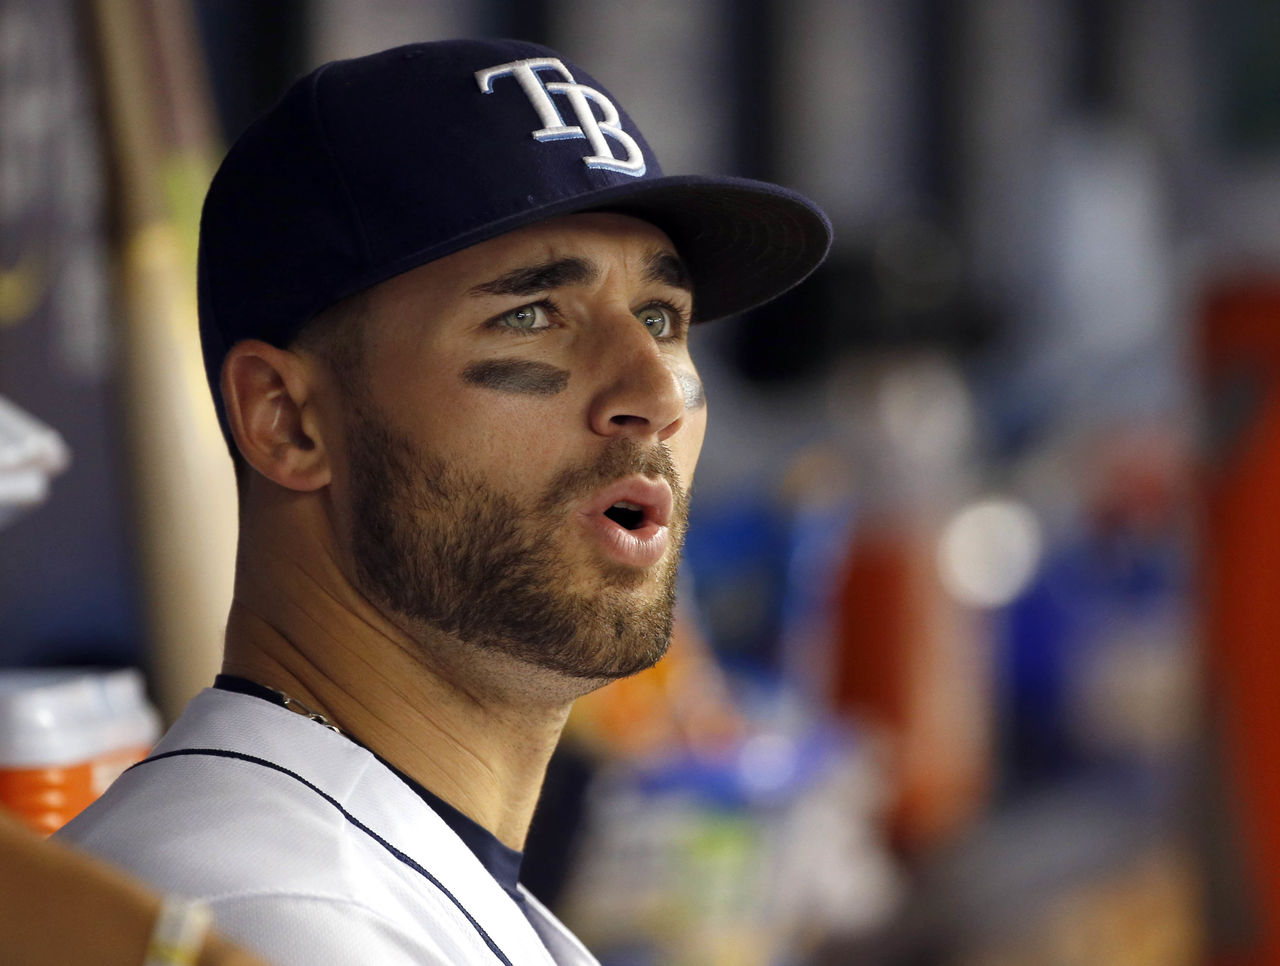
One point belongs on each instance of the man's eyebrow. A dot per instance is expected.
(532, 279)
(667, 268)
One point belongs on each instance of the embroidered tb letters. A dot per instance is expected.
(580, 98)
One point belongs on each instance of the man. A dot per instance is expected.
(445, 294)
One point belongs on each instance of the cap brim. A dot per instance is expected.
(744, 242)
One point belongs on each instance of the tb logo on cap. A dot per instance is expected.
(580, 98)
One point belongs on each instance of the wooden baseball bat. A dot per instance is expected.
(182, 480)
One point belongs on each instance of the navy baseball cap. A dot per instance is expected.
(369, 167)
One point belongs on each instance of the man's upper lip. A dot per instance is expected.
(653, 496)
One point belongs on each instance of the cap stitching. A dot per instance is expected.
(353, 209)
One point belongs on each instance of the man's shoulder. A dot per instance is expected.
(225, 804)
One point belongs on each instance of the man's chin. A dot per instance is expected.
(588, 662)
(627, 665)
(640, 586)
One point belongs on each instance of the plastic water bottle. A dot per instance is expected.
(65, 735)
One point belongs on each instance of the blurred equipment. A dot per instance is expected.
(57, 351)
(31, 453)
(1240, 547)
(755, 856)
(911, 659)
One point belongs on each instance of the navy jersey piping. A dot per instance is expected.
(401, 856)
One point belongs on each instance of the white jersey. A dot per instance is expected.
(308, 848)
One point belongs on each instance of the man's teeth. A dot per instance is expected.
(624, 505)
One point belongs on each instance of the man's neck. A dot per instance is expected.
(442, 716)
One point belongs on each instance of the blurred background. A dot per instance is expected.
(977, 656)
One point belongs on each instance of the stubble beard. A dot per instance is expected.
(446, 553)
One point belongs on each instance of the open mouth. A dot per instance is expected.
(629, 519)
(629, 516)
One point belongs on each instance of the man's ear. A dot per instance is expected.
(269, 397)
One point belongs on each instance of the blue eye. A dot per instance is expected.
(659, 320)
(527, 318)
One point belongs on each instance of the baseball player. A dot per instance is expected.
(445, 295)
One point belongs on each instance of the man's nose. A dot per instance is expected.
(639, 394)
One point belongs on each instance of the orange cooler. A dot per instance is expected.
(65, 735)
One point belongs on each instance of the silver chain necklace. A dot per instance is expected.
(293, 704)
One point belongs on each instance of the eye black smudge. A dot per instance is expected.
(520, 376)
(691, 386)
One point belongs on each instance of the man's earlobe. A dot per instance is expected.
(268, 396)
